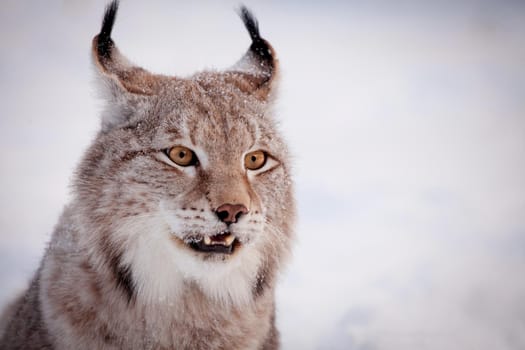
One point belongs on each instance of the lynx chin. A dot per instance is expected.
(181, 217)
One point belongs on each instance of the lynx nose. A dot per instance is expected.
(230, 213)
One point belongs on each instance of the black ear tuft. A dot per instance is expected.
(105, 43)
(259, 46)
(250, 22)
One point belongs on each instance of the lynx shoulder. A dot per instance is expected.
(181, 216)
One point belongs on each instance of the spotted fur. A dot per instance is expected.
(119, 272)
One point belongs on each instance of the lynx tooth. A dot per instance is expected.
(229, 240)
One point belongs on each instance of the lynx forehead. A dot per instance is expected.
(181, 217)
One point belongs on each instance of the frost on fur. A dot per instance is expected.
(129, 89)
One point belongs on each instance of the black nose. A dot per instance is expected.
(230, 213)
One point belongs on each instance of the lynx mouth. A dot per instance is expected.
(222, 242)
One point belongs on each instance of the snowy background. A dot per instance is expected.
(407, 122)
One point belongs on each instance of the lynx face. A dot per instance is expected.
(188, 181)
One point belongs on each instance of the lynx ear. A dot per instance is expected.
(258, 67)
(114, 65)
(125, 85)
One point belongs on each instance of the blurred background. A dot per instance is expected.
(407, 124)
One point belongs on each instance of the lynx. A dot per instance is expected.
(181, 216)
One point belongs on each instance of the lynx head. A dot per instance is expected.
(187, 185)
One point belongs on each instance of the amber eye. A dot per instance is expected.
(182, 156)
(255, 160)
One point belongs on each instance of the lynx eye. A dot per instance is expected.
(255, 160)
(182, 156)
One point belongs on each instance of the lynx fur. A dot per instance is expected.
(181, 216)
